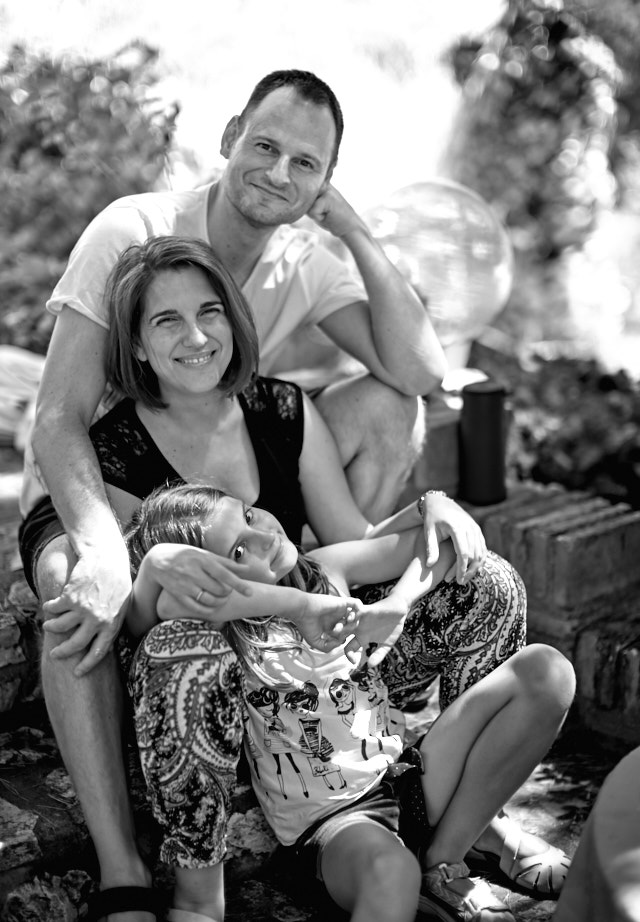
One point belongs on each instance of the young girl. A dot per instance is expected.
(318, 736)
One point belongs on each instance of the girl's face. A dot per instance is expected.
(251, 537)
(184, 332)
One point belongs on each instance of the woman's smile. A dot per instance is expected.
(199, 359)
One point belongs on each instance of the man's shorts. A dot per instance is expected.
(396, 804)
(40, 526)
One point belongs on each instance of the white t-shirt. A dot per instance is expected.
(295, 285)
(318, 743)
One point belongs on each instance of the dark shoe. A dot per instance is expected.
(449, 893)
(123, 899)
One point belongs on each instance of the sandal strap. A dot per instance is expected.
(510, 847)
(123, 899)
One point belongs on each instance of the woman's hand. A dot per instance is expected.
(379, 626)
(444, 518)
(196, 580)
(325, 621)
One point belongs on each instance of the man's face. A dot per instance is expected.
(280, 160)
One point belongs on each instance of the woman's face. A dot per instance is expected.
(184, 334)
(251, 537)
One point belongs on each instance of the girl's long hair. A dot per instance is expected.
(176, 515)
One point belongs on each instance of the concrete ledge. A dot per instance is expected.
(578, 557)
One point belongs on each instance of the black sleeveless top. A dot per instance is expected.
(273, 412)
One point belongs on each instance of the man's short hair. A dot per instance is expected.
(126, 287)
(308, 86)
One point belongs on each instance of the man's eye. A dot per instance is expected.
(305, 164)
(238, 553)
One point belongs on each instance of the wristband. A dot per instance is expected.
(421, 500)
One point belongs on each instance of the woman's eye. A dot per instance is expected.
(238, 553)
(249, 516)
(213, 311)
(166, 321)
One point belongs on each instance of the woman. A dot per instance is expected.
(183, 354)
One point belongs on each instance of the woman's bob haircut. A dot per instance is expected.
(125, 292)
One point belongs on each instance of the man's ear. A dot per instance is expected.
(230, 136)
(327, 179)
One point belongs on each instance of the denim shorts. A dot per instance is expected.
(396, 804)
(40, 526)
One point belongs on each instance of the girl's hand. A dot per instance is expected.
(197, 580)
(444, 518)
(325, 621)
(379, 627)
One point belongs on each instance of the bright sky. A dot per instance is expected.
(397, 115)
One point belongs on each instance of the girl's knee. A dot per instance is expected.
(546, 675)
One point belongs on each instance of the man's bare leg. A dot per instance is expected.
(380, 433)
(86, 716)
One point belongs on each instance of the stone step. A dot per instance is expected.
(48, 867)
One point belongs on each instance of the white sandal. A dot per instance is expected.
(543, 873)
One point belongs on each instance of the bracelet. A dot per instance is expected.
(421, 500)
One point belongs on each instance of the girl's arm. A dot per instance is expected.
(402, 555)
(323, 620)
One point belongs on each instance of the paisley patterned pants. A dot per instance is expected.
(187, 691)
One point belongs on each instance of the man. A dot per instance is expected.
(281, 152)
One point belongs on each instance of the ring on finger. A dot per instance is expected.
(351, 614)
(199, 595)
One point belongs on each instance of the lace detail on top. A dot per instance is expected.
(131, 460)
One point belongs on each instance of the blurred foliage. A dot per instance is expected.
(549, 134)
(538, 124)
(572, 422)
(617, 22)
(74, 136)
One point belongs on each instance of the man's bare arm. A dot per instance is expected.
(392, 331)
(72, 385)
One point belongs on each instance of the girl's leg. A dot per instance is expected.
(487, 742)
(368, 872)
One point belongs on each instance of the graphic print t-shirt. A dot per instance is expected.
(318, 741)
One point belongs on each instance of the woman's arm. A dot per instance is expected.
(334, 516)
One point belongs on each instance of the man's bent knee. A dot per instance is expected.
(365, 411)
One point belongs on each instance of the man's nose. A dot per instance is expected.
(279, 172)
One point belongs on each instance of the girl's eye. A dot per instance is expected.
(238, 553)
